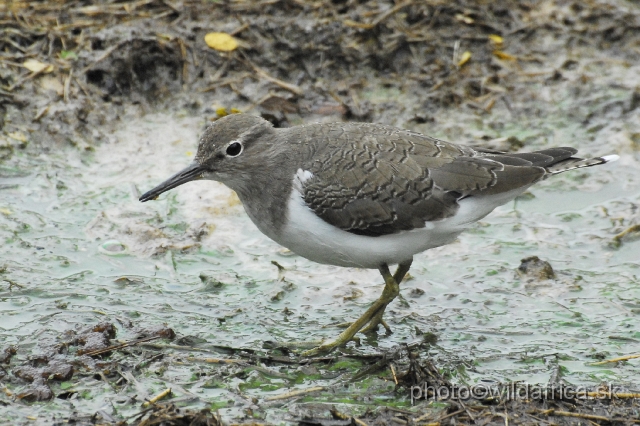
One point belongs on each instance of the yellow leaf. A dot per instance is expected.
(466, 19)
(354, 24)
(5, 212)
(165, 36)
(464, 58)
(34, 65)
(503, 55)
(19, 136)
(223, 112)
(221, 41)
(496, 38)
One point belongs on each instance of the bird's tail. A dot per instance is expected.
(578, 163)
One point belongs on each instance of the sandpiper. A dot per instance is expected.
(360, 194)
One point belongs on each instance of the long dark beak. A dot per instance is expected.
(193, 172)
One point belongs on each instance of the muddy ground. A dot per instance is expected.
(106, 304)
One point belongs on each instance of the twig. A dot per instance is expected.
(22, 80)
(104, 56)
(391, 12)
(84, 89)
(157, 397)
(287, 360)
(7, 94)
(226, 82)
(249, 424)
(439, 419)
(271, 373)
(121, 346)
(466, 409)
(140, 414)
(341, 416)
(67, 86)
(148, 360)
(13, 283)
(393, 371)
(179, 347)
(183, 56)
(622, 358)
(578, 415)
(304, 344)
(295, 393)
(338, 415)
(610, 395)
(220, 72)
(239, 29)
(618, 238)
(218, 360)
(262, 73)
(359, 422)
(379, 365)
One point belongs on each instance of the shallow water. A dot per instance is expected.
(81, 249)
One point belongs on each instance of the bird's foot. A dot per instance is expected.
(376, 321)
(349, 334)
(372, 327)
(373, 315)
(329, 346)
(324, 348)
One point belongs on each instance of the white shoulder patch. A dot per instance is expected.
(300, 178)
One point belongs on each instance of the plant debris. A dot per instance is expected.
(71, 72)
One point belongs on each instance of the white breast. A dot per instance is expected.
(309, 236)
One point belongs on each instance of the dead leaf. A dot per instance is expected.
(496, 39)
(36, 66)
(19, 136)
(223, 112)
(464, 58)
(222, 42)
(503, 55)
(354, 24)
(463, 18)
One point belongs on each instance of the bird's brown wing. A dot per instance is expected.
(377, 180)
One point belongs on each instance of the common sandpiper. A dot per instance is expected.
(360, 194)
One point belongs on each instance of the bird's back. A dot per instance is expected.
(376, 180)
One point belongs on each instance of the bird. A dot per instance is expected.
(362, 195)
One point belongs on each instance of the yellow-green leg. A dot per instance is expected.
(373, 315)
(377, 320)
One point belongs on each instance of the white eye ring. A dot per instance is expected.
(234, 148)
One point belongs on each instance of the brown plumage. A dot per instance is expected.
(376, 180)
(360, 194)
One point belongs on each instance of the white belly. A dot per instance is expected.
(309, 236)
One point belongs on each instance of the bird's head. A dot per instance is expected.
(228, 150)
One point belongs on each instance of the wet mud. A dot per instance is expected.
(116, 312)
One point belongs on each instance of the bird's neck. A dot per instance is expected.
(266, 193)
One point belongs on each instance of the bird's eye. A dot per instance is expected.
(234, 149)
